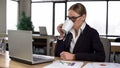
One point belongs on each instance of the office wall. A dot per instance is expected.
(2, 16)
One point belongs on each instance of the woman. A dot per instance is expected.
(82, 42)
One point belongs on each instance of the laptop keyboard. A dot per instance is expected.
(41, 57)
(37, 59)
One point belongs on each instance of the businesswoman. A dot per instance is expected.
(82, 42)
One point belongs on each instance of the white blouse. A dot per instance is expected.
(73, 42)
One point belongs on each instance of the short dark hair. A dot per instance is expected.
(78, 8)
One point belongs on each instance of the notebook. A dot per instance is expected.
(21, 48)
(43, 31)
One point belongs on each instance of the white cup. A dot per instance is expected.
(67, 25)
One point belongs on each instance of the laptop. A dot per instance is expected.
(43, 31)
(21, 48)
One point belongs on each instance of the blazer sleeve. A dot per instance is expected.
(59, 47)
(97, 46)
(63, 45)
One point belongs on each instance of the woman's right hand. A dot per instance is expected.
(59, 28)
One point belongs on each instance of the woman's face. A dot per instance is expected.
(76, 18)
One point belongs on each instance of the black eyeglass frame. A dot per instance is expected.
(73, 18)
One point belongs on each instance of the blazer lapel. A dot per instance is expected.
(80, 38)
(68, 41)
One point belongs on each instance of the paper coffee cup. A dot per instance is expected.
(67, 25)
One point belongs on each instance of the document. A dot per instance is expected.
(64, 64)
(102, 65)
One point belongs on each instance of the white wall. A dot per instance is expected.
(2, 16)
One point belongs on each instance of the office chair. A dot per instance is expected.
(107, 48)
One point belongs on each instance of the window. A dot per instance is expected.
(12, 14)
(47, 0)
(59, 15)
(96, 14)
(113, 18)
(42, 16)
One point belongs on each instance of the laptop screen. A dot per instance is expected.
(20, 44)
(21, 47)
(43, 31)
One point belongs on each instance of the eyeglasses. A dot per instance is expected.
(73, 18)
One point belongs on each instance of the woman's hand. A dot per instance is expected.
(59, 28)
(67, 56)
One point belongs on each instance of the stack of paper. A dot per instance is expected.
(102, 65)
(65, 64)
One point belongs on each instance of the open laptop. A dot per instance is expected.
(21, 48)
(43, 31)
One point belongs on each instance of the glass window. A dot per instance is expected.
(47, 0)
(42, 16)
(96, 14)
(12, 14)
(114, 18)
(59, 15)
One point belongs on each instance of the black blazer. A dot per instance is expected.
(88, 47)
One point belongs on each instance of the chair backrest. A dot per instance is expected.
(107, 48)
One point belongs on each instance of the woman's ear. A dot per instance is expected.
(83, 17)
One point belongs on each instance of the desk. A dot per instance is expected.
(112, 39)
(115, 46)
(6, 62)
(3, 35)
(49, 38)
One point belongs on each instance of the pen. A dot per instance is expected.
(72, 64)
(61, 62)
